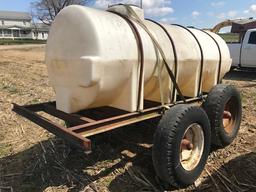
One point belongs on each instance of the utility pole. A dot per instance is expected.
(141, 4)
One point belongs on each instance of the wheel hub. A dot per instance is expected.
(229, 117)
(191, 147)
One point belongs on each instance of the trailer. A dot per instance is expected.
(194, 110)
(186, 128)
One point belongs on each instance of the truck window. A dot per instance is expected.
(252, 39)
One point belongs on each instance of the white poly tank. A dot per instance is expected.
(92, 58)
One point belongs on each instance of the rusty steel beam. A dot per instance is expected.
(50, 108)
(73, 119)
(92, 130)
(87, 119)
(35, 107)
(60, 131)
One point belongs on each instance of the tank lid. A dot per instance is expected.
(122, 9)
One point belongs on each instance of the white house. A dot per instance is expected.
(18, 25)
(40, 31)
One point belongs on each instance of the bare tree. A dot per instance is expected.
(46, 10)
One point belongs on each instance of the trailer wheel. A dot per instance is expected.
(224, 109)
(181, 145)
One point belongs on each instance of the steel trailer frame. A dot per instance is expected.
(83, 126)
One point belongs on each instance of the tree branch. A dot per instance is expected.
(46, 10)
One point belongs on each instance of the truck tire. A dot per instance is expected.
(224, 109)
(181, 146)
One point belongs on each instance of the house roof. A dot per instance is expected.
(13, 15)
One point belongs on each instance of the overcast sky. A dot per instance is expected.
(198, 13)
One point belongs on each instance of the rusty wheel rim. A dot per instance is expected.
(229, 116)
(191, 147)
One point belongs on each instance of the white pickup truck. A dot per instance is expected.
(244, 53)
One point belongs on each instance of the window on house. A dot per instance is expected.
(24, 22)
(7, 32)
(43, 35)
(2, 22)
(252, 39)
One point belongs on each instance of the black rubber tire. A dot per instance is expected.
(167, 140)
(214, 106)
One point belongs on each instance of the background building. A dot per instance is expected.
(242, 25)
(40, 31)
(18, 25)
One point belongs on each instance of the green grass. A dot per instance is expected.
(33, 101)
(10, 88)
(21, 41)
(230, 37)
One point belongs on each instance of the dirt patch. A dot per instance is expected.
(32, 159)
(21, 47)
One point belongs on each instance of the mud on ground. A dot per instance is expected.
(32, 159)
